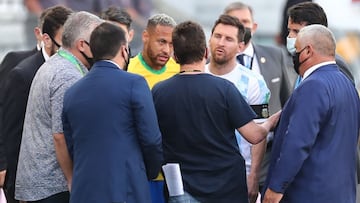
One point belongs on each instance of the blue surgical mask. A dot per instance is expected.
(290, 45)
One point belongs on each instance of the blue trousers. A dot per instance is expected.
(157, 191)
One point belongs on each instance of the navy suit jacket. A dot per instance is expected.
(16, 91)
(111, 130)
(314, 151)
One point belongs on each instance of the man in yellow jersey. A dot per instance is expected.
(155, 62)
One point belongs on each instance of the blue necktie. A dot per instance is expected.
(240, 59)
(298, 81)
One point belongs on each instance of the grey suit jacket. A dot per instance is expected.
(272, 64)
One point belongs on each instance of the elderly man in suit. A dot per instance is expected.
(314, 152)
(112, 130)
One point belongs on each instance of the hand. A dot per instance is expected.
(253, 188)
(274, 119)
(2, 178)
(69, 186)
(272, 197)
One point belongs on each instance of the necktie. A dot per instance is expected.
(297, 82)
(240, 59)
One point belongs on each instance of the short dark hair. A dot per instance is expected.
(54, 19)
(106, 40)
(118, 15)
(309, 13)
(233, 21)
(189, 42)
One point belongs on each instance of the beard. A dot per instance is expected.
(154, 58)
(220, 60)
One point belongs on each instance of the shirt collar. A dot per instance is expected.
(315, 67)
(249, 51)
(45, 55)
(110, 61)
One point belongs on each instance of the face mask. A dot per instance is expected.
(296, 60)
(247, 35)
(88, 59)
(290, 45)
(128, 50)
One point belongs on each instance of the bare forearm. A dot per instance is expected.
(257, 155)
(63, 157)
(2, 178)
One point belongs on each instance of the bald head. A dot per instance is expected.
(320, 37)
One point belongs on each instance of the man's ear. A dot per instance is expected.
(241, 46)
(310, 50)
(206, 55)
(46, 40)
(38, 33)
(124, 52)
(145, 36)
(131, 34)
(80, 45)
(254, 28)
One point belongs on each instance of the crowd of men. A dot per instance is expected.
(83, 119)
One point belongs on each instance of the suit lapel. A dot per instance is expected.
(261, 59)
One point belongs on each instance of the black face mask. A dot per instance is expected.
(247, 35)
(88, 59)
(296, 60)
(128, 50)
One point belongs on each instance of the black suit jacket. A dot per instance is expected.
(9, 62)
(16, 89)
(344, 68)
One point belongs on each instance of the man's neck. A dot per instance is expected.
(247, 45)
(222, 69)
(194, 68)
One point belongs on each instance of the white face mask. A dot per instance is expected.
(290, 45)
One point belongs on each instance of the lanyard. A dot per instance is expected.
(72, 59)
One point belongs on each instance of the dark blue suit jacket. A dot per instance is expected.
(111, 130)
(314, 152)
